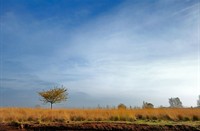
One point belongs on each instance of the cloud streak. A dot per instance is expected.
(136, 51)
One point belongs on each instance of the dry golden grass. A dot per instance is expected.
(64, 115)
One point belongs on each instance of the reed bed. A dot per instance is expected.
(68, 115)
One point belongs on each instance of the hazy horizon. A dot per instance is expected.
(106, 52)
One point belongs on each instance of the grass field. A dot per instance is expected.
(107, 115)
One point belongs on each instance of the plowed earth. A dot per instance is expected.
(95, 126)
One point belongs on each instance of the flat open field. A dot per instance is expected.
(100, 119)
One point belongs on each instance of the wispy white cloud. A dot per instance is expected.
(135, 52)
(150, 57)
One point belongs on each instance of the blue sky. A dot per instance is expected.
(105, 52)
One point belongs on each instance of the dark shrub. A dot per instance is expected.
(139, 116)
(195, 118)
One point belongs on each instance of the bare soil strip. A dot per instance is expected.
(96, 126)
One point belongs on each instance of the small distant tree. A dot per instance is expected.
(107, 107)
(198, 102)
(121, 106)
(136, 107)
(147, 105)
(55, 95)
(37, 106)
(161, 106)
(99, 107)
(175, 103)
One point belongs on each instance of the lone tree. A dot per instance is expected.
(175, 103)
(55, 95)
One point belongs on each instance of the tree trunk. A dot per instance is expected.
(51, 105)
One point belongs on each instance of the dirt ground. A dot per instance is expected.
(96, 126)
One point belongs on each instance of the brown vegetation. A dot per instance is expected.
(70, 115)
